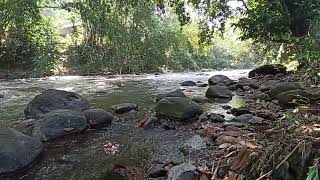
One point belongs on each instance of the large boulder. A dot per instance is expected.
(98, 117)
(269, 69)
(242, 82)
(178, 108)
(218, 91)
(17, 150)
(59, 123)
(282, 87)
(220, 79)
(177, 93)
(124, 107)
(51, 100)
(293, 98)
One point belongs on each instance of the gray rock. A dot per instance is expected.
(176, 173)
(217, 118)
(226, 107)
(1, 96)
(17, 150)
(188, 83)
(131, 115)
(282, 87)
(240, 111)
(245, 82)
(59, 123)
(294, 97)
(178, 108)
(202, 85)
(177, 93)
(124, 107)
(269, 69)
(249, 118)
(261, 96)
(218, 92)
(152, 122)
(203, 118)
(220, 79)
(200, 99)
(98, 117)
(51, 100)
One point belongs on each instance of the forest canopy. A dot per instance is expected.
(132, 36)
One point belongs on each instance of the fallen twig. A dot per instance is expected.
(280, 164)
(215, 173)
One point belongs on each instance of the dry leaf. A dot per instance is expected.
(231, 176)
(248, 144)
(68, 129)
(142, 123)
(241, 160)
(226, 139)
(133, 174)
(232, 133)
(212, 132)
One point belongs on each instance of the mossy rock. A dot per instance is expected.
(178, 108)
(283, 87)
(294, 97)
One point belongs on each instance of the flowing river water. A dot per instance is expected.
(85, 156)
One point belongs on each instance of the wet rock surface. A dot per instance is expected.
(17, 150)
(59, 123)
(124, 108)
(220, 79)
(98, 117)
(176, 93)
(51, 100)
(178, 108)
(188, 83)
(218, 91)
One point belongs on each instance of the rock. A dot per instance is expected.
(293, 98)
(184, 171)
(270, 69)
(240, 111)
(51, 100)
(124, 108)
(218, 92)
(202, 85)
(217, 118)
(177, 93)
(59, 123)
(26, 126)
(200, 99)
(226, 107)
(151, 123)
(188, 83)
(244, 118)
(1, 96)
(232, 87)
(178, 108)
(245, 82)
(203, 118)
(98, 117)
(17, 150)
(282, 87)
(249, 118)
(261, 96)
(131, 115)
(220, 79)
(157, 171)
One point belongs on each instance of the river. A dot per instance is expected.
(84, 156)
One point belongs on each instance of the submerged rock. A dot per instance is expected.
(178, 108)
(269, 69)
(218, 91)
(282, 87)
(98, 117)
(51, 100)
(249, 118)
(177, 93)
(245, 82)
(59, 123)
(188, 83)
(17, 150)
(220, 79)
(124, 107)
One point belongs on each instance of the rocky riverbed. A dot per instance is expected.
(209, 125)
